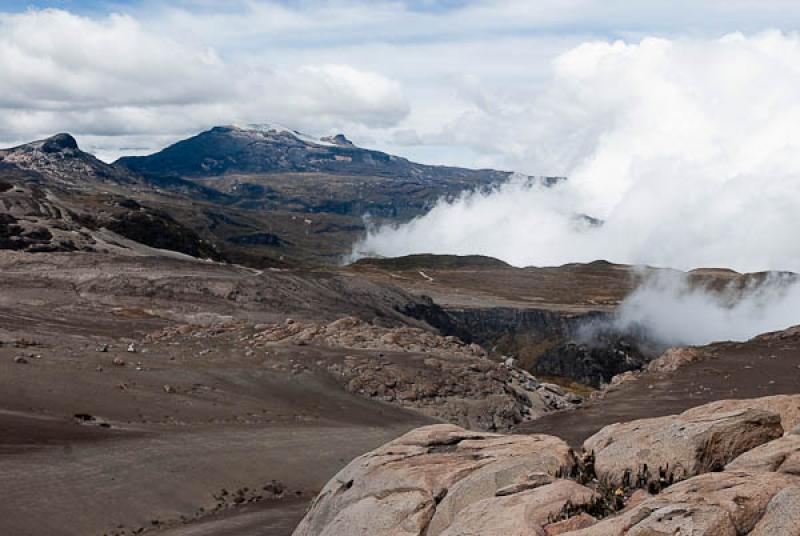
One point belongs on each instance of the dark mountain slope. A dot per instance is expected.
(270, 194)
(269, 149)
(261, 196)
(55, 197)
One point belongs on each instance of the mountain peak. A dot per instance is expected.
(338, 139)
(59, 143)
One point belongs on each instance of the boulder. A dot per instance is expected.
(682, 445)
(521, 514)
(781, 455)
(782, 517)
(580, 521)
(673, 359)
(397, 488)
(519, 472)
(787, 406)
(742, 495)
(714, 504)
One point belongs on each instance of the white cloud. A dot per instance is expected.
(674, 312)
(686, 149)
(163, 70)
(113, 77)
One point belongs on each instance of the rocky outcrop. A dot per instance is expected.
(399, 488)
(519, 514)
(439, 376)
(558, 344)
(592, 364)
(58, 200)
(713, 504)
(352, 332)
(781, 455)
(443, 481)
(679, 446)
(782, 517)
(786, 406)
(673, 359)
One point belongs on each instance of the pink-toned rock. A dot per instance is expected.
(521, 514)
(580, 521)
(396, 489)
(685, 446)
(544, 454)
(787, 406)
(673, 359)
(782, 517)
(637, 498)
(729, 503)
(781, 455)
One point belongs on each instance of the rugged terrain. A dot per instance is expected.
(181, 354)
(721, 469)
(221, 377)
(261, 196)
(283, 196)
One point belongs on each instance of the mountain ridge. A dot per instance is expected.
(263, 195)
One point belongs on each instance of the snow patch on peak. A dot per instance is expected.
(274, 128)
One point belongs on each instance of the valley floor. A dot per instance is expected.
(207, 431)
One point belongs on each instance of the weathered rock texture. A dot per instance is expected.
(781, 455)
(787, 406)
(682, 445)
(713, 504)
(782, 517)
(444, 481)
(400, 487)
(417, 369)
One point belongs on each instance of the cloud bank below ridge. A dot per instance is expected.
(685, 149)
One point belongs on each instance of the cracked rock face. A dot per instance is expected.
(445, 481)
(682, 445)
(453, 381)
(714, 504)
(781, 455)
(400, 487)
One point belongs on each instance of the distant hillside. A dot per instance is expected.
(261, 195)
(272, 149)
(55, 197)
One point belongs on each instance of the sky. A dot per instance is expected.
(675, 121)
(426, 79)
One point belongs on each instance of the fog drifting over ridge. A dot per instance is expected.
(685, 149)
(677, 313)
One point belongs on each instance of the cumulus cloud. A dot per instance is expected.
(113, 76)
(684, 148)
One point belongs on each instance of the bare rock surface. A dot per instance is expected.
(714, 504)
(352, 332)
(782, 517)
(444, 481)
(397, 488)
(787, 406)
(580, 521)
(439, 376)
(520, 514)
(684, 445)
(673, 359)
(782, 455)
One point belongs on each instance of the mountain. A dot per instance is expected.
(268, 194)
(55, 197)
(259, 149)
(274, 168)
(262, 195)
